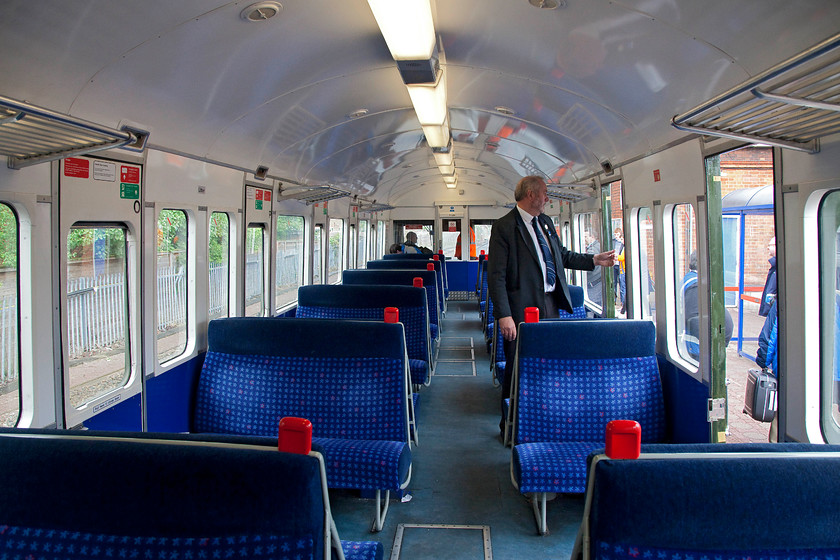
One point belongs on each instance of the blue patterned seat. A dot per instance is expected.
(571, 379)
(390, 277)
(354, 390)
(163, 498)
(369, 302)
(578, 309)
(482, 293)
(419, 256)
(415, 264)
(697, 501)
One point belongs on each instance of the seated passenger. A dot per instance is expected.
(410, 245)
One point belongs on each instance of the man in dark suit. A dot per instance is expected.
(526, 267)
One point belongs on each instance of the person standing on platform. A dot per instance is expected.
(527, 267)
(768, 295)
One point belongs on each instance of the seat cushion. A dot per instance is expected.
(362, 550)
(433, 329)
(46, 542)
(419, 371)
(365, 464)
(552, 467)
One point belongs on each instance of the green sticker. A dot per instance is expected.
(258, 204)
(129, 190)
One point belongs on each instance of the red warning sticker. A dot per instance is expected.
(267, 195)
(259, 194)
(77, 167)
(129, 174)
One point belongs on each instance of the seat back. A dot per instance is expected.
(574, 377)
(349, 378)
(482, 293)
(578, 309)
(399, 278)
(97, 497)
(415, 256)
(794, 485)
(414, 264)
(369, 302)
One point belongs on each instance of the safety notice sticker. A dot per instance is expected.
(104, 170)
(129, 174)
(130, 191)
(77, 167)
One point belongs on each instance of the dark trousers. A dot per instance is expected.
(510, 356)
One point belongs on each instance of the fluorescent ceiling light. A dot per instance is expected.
(407, 27)
(447, 169)
(450, 180)
(443, 158)
(437, 136)
(429, 101)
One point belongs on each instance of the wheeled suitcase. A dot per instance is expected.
(760, 398)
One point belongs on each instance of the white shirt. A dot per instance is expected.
(527, 218)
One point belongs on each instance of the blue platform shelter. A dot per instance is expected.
(735, 208)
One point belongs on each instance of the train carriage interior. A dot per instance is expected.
(178, 173)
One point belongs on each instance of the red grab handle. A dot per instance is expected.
(624, 439)
(294, 435)
(532, 315)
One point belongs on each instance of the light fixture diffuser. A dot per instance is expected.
(437, 136)
(407, 27)
(429, 101)
(443, 158)
(447, 169)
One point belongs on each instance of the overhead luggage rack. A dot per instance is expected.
(31, 135)
(311, 195)
(569, 192)
(790, 105)
(375, 207)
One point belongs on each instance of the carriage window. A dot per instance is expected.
(618, 241)
(451, 238)
(9, 353)
(317, 252)
(643, 262)
(171, 284)
(254, 271)
(362, 254)
(479, 237)
(97, 312)
(219, 268)
(289, 259)
(352, 248)
(380, 239)
(829, 228)
(687, 315)
(336, 254)
(589, 226)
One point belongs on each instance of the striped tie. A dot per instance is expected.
(550, 273)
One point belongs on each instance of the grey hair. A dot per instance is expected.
(527, 184)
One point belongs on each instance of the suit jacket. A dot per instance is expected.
(514, 275)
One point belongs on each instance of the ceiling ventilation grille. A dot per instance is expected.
(30, 135)
(791, 105)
